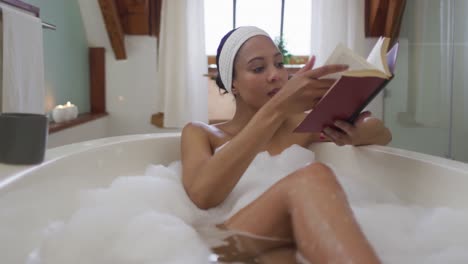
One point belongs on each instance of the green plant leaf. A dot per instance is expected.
(281, 44)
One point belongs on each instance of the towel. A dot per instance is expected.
(23, 88)
(230, 48)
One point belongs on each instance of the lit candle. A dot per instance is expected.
(58, 114)
(71, 111)
(64, 112)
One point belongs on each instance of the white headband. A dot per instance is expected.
(229, 51)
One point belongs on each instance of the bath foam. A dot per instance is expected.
(150, 219)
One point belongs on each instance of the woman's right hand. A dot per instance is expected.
(305, 88)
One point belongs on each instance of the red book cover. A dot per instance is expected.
(346, 98)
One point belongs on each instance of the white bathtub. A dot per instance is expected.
(32, 196)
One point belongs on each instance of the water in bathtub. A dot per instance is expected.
(150, 219)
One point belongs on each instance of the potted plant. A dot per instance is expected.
(281, 43)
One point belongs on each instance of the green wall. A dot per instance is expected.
(65, 54)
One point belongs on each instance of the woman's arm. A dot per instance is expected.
(208, 179)
(367, 130)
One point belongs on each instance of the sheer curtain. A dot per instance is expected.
(335, 21)
(341, 21)
(431, 62)
(182, 63)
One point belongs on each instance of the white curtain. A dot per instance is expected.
(430, 62)
(182, 63)
(341, 21)
(338, 21)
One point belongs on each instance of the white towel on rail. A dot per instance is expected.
(23, 63)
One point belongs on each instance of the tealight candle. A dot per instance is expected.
(71, 111)
(65, 112)
(58, 114)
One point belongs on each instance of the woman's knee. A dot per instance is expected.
(318, 168)
(313, 176)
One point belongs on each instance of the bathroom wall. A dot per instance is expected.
(132, 92)
(91, 130)
(426, 104)
(459, 136)
(419, 44)
(65, 54)
(131, 89)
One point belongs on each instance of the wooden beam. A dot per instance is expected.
(376, 16)
(97, 74)
(383, 18)
(114, 28)
(81, 119)
(158, 119)
(134, 15)
(155, 17)
(396, 11)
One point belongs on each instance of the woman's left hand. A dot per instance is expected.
(366, 130)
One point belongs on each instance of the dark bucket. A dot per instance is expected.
(23, 138)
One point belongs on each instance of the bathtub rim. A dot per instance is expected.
(13, 173)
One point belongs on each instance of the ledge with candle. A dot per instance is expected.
(67, 116)
(62, 113)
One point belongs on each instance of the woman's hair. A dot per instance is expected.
(219, 82)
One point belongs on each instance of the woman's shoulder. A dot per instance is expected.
(203, 128)
(195, 126)
(201, 131)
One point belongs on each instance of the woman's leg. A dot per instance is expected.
(310, 208)
(285, 255)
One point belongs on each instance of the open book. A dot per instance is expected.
(354, 88)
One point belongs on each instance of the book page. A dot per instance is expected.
(377, 56)
(344, 55)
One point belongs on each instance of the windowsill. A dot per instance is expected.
(81, 119)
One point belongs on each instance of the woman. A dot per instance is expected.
(307, 211)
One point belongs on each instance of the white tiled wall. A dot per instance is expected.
(132, 92)
(92, 130)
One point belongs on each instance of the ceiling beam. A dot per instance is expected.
(114, 28)
(155, 17)
(134, 15)
(383, 18)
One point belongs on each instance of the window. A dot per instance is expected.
(297, 26)
(224, 15)
(218, 21)
(266, 14)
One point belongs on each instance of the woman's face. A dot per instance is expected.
(259, 71)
